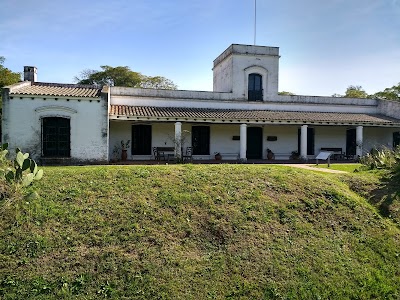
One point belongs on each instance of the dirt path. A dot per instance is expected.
(308, 167)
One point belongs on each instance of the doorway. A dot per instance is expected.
(254, 142)
(396, 139)
(56, 137)
(351, 144)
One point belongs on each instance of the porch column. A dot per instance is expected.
(359, 141)
(178, 140)
(303, 142)
(243, 142)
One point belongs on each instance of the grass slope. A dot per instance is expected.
(197, 232)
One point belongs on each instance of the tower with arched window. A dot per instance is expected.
(249, 72)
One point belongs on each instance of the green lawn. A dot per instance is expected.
(198, 232)
(340, 167)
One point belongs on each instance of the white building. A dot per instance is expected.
(243, 117)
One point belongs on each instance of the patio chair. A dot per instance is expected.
(156, 154)
(187, 157)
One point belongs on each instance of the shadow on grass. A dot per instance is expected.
(386, 197)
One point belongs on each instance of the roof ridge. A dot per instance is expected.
(67, 85)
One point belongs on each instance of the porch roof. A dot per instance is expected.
(185, 114)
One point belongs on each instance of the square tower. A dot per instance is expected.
(249, 72)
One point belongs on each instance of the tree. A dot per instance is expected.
(123, 76)
(356, 91)
(7, 77)
(284, 93)
(392, 93)
(157, 82)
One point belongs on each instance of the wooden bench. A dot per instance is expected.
(233, 155)
(164, 153)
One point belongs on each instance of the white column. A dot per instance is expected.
(243, 142)
(359, 140)
(303, 142)
(178, 140)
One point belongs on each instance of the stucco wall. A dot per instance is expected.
(222, 76)
(88, 120)
(197, 99)
(230, 69)
(286, 140)
(162, 136)
(389, 108)
(378, 138)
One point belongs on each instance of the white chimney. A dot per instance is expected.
(30, 74)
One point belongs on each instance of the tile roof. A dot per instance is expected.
(248, 115)
(58, 89)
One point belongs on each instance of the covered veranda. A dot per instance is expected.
(234, 132)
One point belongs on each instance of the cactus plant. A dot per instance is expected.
(25, 169)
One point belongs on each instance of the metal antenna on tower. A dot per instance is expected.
(255, 21)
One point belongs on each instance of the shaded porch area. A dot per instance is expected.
(244, 136)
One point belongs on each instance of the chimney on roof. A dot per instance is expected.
(30, 74)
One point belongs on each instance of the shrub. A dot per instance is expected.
(381, 159)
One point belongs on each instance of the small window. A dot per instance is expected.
(255, 87)
(56, 137)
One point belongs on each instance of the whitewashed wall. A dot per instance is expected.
(232, 67)
(89, 125)
(162, 136)
(378, 138)
(221, 141)
(286, 140)
(120, 96)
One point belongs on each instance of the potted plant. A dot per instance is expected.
(270, 154)
(124, 149)
(218, 156)
(295, 155)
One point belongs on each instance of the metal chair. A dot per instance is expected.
(156, 154)
(187, 157)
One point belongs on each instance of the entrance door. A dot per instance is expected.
(396, 139)
(201, 140)
(351, 144)
(56, 137)
(141, 139)
(254, 142)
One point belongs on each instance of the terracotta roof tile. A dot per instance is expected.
(251, 115)
(58, 90)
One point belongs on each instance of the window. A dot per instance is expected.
(141, 140)
(56, 137)
(255, 87)
(201, 140)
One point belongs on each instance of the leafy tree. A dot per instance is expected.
(284, 93)
(157, 82)
(7, 77)
(123, 76)
(392, 93)
(355, 91)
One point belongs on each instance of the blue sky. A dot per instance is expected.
(325, 46)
